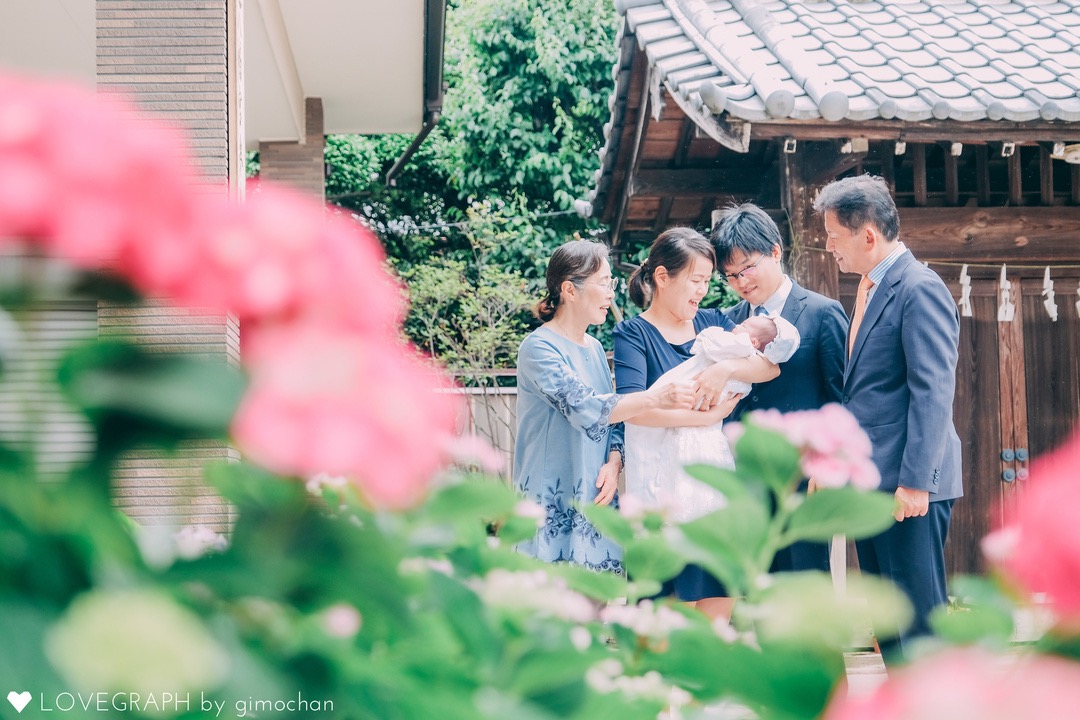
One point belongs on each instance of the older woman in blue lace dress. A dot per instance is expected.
(568, 448)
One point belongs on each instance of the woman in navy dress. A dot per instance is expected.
(670, 285)
(565, 451)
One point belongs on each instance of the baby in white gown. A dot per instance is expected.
(656, 456)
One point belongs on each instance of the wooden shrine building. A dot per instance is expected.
(970, 111)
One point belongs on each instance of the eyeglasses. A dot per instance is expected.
(747, 271)
(612, 284)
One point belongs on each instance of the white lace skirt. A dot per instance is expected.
(655, 458)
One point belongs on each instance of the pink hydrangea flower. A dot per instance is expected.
(970, 684)
(365, 407)
(86, 178)
(1040, 547)
(834, 449)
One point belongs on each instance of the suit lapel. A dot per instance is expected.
(878, 303)
(795, 304)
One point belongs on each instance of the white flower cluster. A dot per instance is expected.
(419, 565)
(194, 541)
(317, 483)
(646, 619)
(607, 677)
(530, 509)
(341, 620)
(535, 590)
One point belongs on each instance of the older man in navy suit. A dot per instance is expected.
(899, 381)
(748, 251)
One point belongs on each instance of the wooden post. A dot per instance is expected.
(810, 264)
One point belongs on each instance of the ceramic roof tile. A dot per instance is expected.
(920, 59)
(945, 47)
(863, 107)
(1038, 32)
(1020, 60)
(952, 90)
(1013, 60)
(913, 109)
(881, 73)
(1003, 90)
(668, 65)
(646, 14)
(1003, 45)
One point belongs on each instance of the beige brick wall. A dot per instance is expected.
(173, 57)
(299, 165)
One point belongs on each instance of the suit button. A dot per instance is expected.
(754, 399)
(847, 399)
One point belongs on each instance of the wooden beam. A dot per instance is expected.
(695, 182)
(952, 181)
(1074, 191)
(642, 123)
(823, 162)
(913, 132)
(1016, 180)
(888, 168)
(1046, 177)
(810, 264)
(662, 215)
(918, 163)
(1010, 234)
(1013, 393)
(982, 174)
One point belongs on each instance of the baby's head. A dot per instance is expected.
(760, 328)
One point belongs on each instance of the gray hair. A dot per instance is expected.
(859, 201)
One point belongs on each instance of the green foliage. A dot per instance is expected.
(527, 86)
(469, 312)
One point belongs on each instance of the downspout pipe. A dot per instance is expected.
(434, 41)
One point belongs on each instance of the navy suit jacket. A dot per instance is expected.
(814, 374)
(901, 378)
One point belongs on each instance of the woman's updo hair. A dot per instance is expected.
(574, 261)
(673, 249)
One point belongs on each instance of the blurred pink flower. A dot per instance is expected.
(475, 450)
(970, 684)
(1040, 547)
(834, 450)
(88, 179)
(366, 407)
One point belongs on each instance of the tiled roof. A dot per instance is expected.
(911, 61)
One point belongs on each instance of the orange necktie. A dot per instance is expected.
(860, 309)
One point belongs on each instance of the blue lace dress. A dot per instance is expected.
(565, 398)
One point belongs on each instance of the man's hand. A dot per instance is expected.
(608, 480)
(911, 503)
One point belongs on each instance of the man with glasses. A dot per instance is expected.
(748, 251)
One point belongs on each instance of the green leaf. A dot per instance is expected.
(475, 498)
(981, 614)
(727, 542)
(608, 521)
(831, 511)
(728, 482)
(247, 485)
(804, 608)
(767, 456)
(136, 396)
(652, 558)
(597, 585)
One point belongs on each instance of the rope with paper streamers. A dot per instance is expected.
(1007, 308)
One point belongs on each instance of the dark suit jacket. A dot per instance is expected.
(814, 374)
(901, 378)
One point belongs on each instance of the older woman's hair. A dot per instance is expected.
(673, 250)
(747, 228)
(575, 261)
(859, 201)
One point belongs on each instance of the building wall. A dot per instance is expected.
(181, 59)
(300, 165)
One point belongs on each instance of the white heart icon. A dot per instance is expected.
(19, 700)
